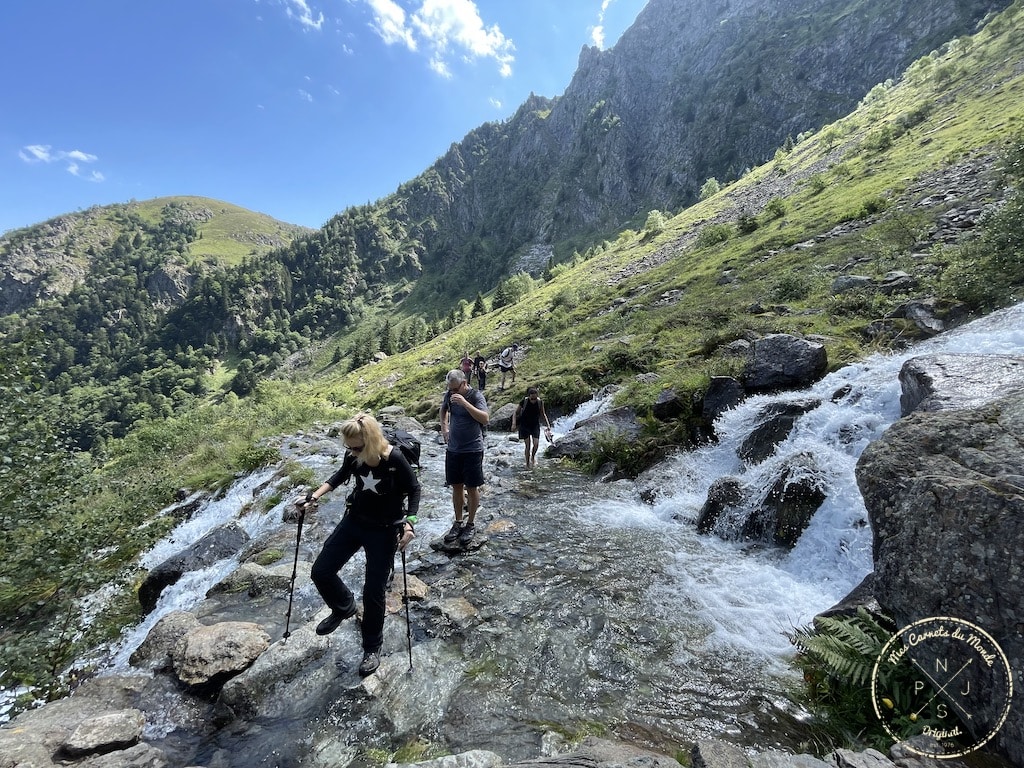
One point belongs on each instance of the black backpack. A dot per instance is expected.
(406, 443)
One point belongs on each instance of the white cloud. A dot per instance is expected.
(306, 95)
(446, 28)
(300, 10)
(597, 31)
(389, 23)
(44, 153)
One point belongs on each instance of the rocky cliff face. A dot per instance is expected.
(694, 89)
(709, 87)
(944, 493)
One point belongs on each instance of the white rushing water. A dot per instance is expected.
(745, 597)
(724, 606)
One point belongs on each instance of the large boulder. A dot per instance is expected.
(940, 382)
(216, 545)
(619, 423)
(944, 492)
(782, 361)
(723, 393)
(775, 421)
(209, 655)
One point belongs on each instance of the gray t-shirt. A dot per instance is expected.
(465, 434)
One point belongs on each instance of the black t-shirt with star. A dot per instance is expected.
(378, 493)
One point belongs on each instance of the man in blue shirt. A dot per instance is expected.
(463, 418)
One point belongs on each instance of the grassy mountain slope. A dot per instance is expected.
(851, 194)
(227, 233)
(47, 259)
(899, 184)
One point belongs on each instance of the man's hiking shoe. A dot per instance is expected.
(333, 621)
(453, 532)
(466, 534)
(369, 663)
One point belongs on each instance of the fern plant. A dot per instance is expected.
(836, 655)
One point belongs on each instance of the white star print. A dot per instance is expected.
(369, 483)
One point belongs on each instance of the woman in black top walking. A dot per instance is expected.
(375, 520)
(529, 414)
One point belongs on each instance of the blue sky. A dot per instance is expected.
(294, 108)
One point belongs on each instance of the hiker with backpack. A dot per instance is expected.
(507, 364)
(480, 366)
(529, 414)
(375, 520)
(463, 416)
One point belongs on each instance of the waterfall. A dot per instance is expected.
(589, 604)
(749, 596)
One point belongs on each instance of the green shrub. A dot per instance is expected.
(776, 208)
(713, 234)
(655, 224)
(710, 188)
(792, 286)
(745, 224)
(817, 183)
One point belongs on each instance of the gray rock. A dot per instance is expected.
(139, 756)
(943, 490)
(869, 758)
(775, 422)
(724, 493)
(847, 283)
(723, 393)
(501, 419)
(620, 423)
(782, 361)
(205, 655)
(282, 674)
(669, 405)
(105, 733)
(255, 580)
(939, 382)
(155, 651)
(216, 545)
(476, 758)
(786, 510)
(713, 753)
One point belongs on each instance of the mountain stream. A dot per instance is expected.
(585, 610)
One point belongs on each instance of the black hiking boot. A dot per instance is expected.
(369, 664)
(453, 532)
(333, 621)
(466, 534)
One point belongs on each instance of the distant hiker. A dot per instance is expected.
(480, 366)
(374, 520)
(529, 414)
(466, 365)
(463, 416)
(507, 363)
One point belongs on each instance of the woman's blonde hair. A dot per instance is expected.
(367, 428)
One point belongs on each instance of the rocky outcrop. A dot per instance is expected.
(944, 492)
(618, 423)
(941, 382)
(216, 545)
(207, 655)
(776, 421)
(782, 361)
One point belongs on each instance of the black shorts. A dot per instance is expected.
(464, 469)
(529, 430)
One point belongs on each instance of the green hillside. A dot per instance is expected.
(921, 179)
(226, 233)
(667, 299)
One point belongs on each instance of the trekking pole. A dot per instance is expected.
(408, 621)
(295, 566)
